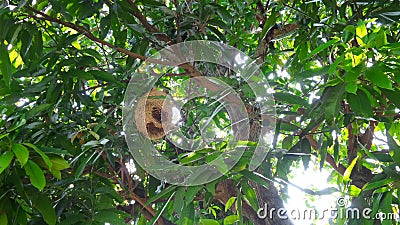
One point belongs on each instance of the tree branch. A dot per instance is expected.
(125, 177)
(83, 31)
(329, 158)
(189, 68)
(339, 167)
(152, 29)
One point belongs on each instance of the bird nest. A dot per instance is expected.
(154, 119)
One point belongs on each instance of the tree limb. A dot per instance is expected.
(189, 68)
(152, 29)
(84, 31)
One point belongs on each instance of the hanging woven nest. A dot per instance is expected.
(155, 118)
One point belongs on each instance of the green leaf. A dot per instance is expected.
(4, 135)
(239, 207)
(352, 87)
(110, 190)
(80, 74)
(380, 39)
(391, 12)
(214, 30)
(21, 152)
(289, 127)
(354, 191)
(268, 24)
(382, 157)
(168, 203)
(360, 103)
(327, 191)
(54, 92)
(334, 65)
(222, 25)
(322, 47)
(35, 174)
(378, 184)
(4, 220)
(347, 173)
(208, 222)
(250, 195)
(255, 177)
(323, 152)
(391, 46)
(150, 3)
(305, 147)
(79, 170)
(378, 77)
(393, 96)
(290, 98)
(103, 76)
(18, 124)
(336, 147)
(114, 217)
(163, 193)
(386, 207)
(5, 65)
(56, 151)
(44, 156)
(56, 174)
(375, 203)
(312, 73)
(222, 12)
(191, 157)
(287, 142)
(361, 31)
(178, 200)
(73, 219)
(393, 148)
(5, 160)
(348, 33)
(331, 101)
(210, 186)
(231, 219)
(229, 203)
(191, 193)
(43, 204)
(26, 39)
(59, 163)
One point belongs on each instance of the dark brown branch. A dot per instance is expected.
(329, 158)
(83, 31)
(176, 74)
(339, 167)
(190, 69)
(147, 25)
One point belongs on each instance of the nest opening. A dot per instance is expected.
(153, 115)
(156, 113)
(153, 130)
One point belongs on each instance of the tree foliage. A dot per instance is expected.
(64, 65)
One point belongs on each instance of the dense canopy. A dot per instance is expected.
(332, 66)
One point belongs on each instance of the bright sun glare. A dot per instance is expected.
(313, 179)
